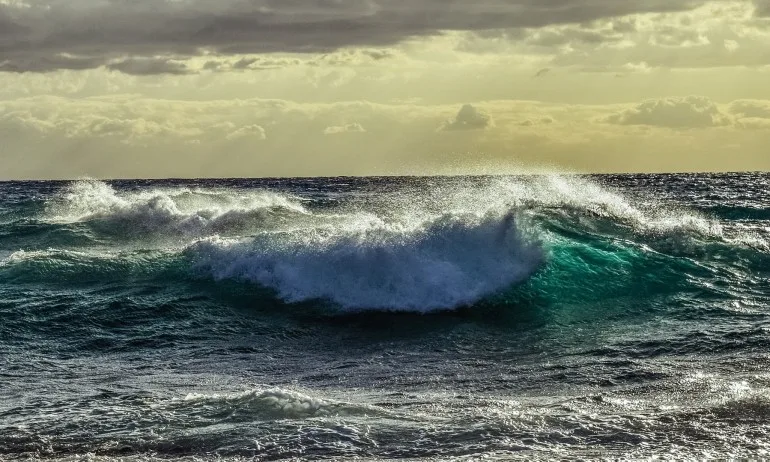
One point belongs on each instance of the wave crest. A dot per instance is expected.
(191, 212)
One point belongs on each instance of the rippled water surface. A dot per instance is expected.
(386, 318)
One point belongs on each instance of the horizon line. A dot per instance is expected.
(437, 175)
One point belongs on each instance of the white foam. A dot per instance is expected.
(441, 263)
(168, 211)
(205, 212)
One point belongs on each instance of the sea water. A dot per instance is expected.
(532, 317)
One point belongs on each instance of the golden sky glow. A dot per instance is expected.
(193, 88)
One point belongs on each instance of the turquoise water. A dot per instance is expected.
(386, 318)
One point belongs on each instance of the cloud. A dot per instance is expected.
(687, 112)
(468, 118)
(747, 108)
(347, 128)
(753, 123)
(556, 37)
(149, 66)
(537, 121)
(670, 35)
(722, 33)
(46, 62)
(751, 114)
(248, 131)
(762, 8)
(52, 34)
(131, 136)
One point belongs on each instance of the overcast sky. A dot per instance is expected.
(196, 88)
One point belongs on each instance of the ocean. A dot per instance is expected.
(434, 318)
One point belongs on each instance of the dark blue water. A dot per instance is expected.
(386, 318)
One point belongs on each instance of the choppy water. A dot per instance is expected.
(423, 318)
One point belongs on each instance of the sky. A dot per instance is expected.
(264, 88)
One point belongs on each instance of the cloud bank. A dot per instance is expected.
(47, 35)
(124, 136)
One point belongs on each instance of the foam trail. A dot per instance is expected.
(443, 263)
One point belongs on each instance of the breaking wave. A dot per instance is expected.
(422, 250)
(444, 263)
(612, 316)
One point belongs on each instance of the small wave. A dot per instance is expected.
(443, 263)
(169, 211)
(66, 266)
(273, 404)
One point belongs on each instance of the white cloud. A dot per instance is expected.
(249, 131)
(347, 128)
(686, 112)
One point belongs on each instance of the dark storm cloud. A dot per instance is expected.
(55, 34)
(39, 62)
(149, 66)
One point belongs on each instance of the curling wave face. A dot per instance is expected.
(450, 261)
